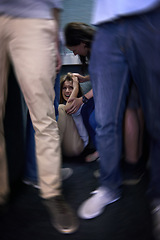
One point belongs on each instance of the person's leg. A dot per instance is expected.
(89, 122)
(31, 175)
(133, 127)
(31, 172)
(71, 142)
(144, 50)
(147, 79)
(133, 164)
(86, 111)
(33, 52)
(4, 185)
(110, 81)
(92, 120)
(34, 65)
(131, 136)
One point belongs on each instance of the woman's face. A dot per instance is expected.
(80, 49)
(67, 90)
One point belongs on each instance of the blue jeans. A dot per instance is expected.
(57, 94)
(88, 116)
(31, 166)
(125, 48)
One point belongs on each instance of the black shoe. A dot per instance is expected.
(62, 216)
(4, 205)
(132, 174)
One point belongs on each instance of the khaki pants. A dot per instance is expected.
(30, 45)
(71, 142)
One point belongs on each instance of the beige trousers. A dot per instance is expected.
(30, 45)
(71, 142)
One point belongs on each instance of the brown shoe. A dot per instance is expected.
(62, 216)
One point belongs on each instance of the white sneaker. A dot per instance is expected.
(95, 205)
(31, 183)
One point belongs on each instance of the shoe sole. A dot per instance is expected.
(67, 175)
(29, 183)
(132, 181)
(64, 230)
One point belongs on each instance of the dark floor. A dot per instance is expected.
(126, 219)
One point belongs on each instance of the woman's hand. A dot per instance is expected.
(81, 78)
(75, 104)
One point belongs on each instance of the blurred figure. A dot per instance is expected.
(72, 144)
(79, 37)
(70, 89)
(28, 38)
(126, 45)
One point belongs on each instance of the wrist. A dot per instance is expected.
(84, 99)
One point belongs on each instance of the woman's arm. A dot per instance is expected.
(75, 102)
(82, 78)
(89, 94)
(73, 94)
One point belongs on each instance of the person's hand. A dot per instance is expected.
(81, 78)
(75, 105)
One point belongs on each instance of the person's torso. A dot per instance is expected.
(107, 10)
(29, 8)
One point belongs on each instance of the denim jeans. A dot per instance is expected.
(125, 48)
(88, 119)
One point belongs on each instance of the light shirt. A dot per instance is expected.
(29, 8)
(108, 10)
(77, 117)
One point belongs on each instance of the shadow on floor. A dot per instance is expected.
(127, 219)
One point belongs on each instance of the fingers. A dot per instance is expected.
(79, 77)
(71, 100)
(72, 110)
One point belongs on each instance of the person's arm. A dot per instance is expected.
(73, 94)
(75, 102)
(89, 94)
(82, 78)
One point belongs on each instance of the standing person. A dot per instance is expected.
(79, 37)
(28, 38)
(126, 45)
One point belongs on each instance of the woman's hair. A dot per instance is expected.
(67, 77)
(77, 32)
